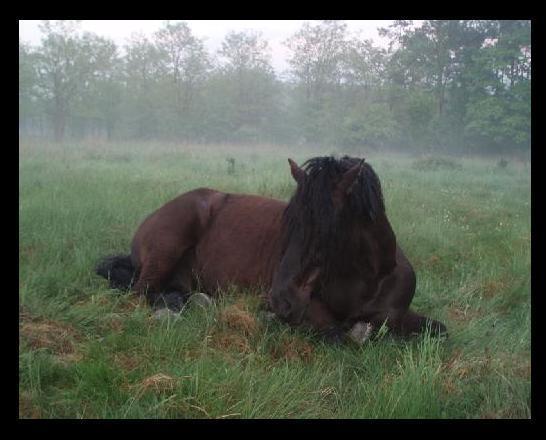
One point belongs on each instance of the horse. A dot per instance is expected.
(327, 260)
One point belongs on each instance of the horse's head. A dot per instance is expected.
(334, 199)
(291, 301)
(339, 186)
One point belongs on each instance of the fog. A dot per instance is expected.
(430, 86)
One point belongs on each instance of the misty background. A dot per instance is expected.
(430, 86)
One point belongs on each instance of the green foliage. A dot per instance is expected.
(436, 163)
(443, 85)
(415, 115)
(27, 82)
(317, 57)
(370, 125)
(503, 124)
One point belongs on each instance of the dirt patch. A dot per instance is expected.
(58, 337)
(158, 383)
(493, 287)
(27, 408)
(451, 368)
(127, 362)
(452, 361)
(450, 387)
(111, 323)
(131, 304)
(518, 364)
(460, 314)
(115, 323)
(121, 305)
(230, 341)
(466, 368)
(29, 251)
(292, 348)
(238, 319)
(234, 329)
(433, 260)
(523, 369)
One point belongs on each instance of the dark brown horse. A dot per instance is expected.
(328, 259)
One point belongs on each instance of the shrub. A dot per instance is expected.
(436, 163)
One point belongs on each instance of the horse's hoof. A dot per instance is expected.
(174, 301)
(333, 336)
(436, 328)
(360, 332)
(201, 299)
(164, 313)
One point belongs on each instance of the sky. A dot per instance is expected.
(213, 31)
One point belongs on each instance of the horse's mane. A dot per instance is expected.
(310, 215)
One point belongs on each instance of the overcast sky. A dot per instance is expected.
(213, 31)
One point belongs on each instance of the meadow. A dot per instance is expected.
(86, 351)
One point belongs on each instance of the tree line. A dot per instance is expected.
(440, 85)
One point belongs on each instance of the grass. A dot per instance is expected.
(86, 352)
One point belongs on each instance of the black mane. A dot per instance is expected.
(310, 215)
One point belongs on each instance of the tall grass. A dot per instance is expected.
(88, 352)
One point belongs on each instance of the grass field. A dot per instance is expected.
(86, 352)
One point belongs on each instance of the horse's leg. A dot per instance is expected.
(178, 288)
(400, 319)
(413, 324)
(404, 323)
(392, 303)
(150, 282)
(162, 247)
(156, 275)
(318, 317)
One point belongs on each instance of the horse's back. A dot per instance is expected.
(242, 244)
(233, 238)
(179, 222)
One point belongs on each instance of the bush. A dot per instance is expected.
(436, 163)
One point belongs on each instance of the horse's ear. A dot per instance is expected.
(297, 173)
(349, 178)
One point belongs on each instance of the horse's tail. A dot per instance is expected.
(119, 270)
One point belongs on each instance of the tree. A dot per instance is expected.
(459, 63)
(425, 56)
(65, 64)
(498, 113)
(364, 65)
(186, 63)
(442, 85)
(318, 53)
(250, 84)
(98, 104)
(27, 81)
(367, 120)
(317, 57)
(142, 70)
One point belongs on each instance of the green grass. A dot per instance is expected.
(87, 352)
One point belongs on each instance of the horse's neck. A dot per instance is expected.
(369, 250)
(289, 265)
